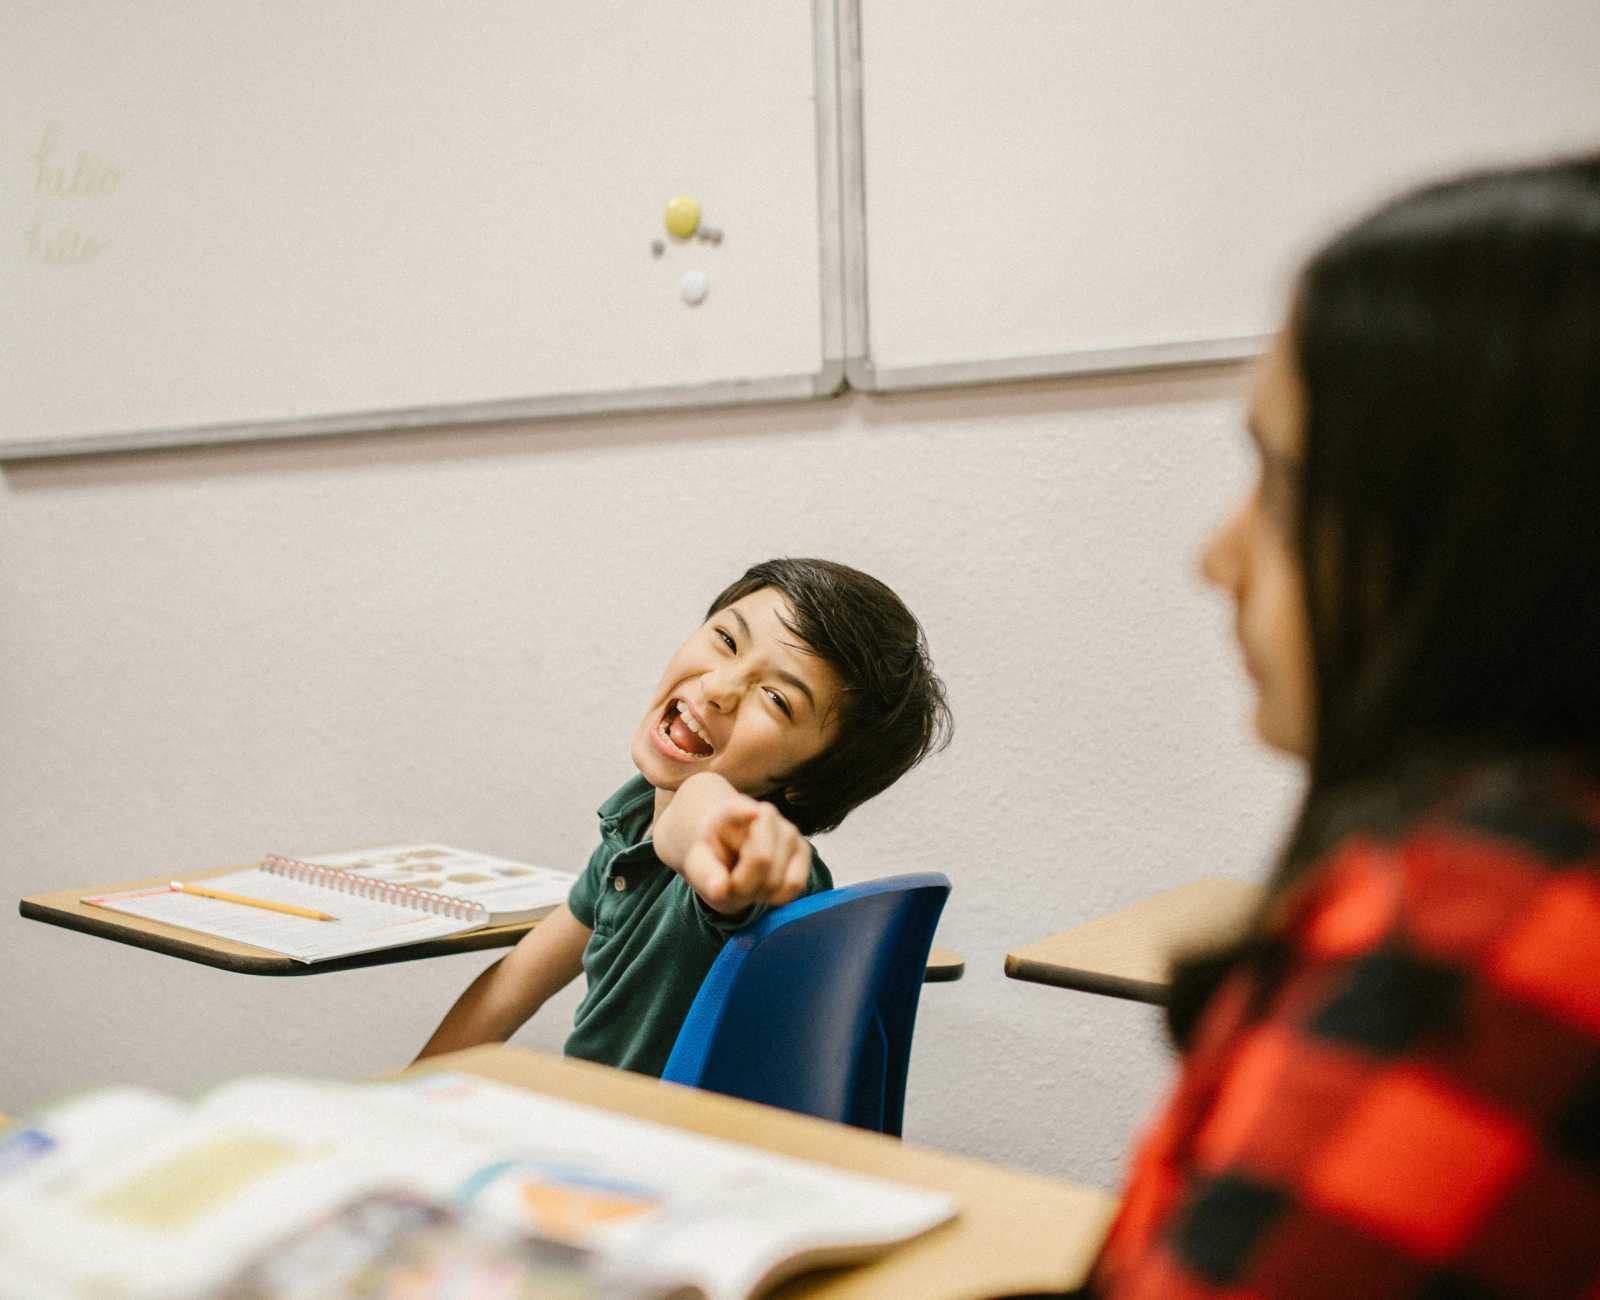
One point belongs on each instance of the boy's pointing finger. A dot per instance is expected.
(790, 870)
(755, 861)
(732, 821)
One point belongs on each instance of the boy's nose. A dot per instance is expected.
(719, 691)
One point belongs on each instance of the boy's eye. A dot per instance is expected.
(727, 640)
(782, 703)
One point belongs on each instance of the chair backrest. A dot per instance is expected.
(812, 1007)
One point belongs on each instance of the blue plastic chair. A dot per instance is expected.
(812, 1007)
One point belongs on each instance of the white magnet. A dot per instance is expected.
(693, 287)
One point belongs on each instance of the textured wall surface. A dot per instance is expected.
(207, 655)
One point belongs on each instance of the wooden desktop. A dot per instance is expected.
(1015, 1232)
(1128, 953)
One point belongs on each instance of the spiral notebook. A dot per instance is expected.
(377, 898)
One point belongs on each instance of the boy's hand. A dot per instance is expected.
(734, 851)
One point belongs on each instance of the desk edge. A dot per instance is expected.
(1085, 981)
(202, 954)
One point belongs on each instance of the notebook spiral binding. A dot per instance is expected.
(384, 891)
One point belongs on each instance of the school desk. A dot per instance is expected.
(62, 907)
(1128, 953)
(1015, 1232)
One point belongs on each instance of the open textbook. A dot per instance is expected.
(376, 898)
(288, 1189)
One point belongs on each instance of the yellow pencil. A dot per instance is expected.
(226, 897)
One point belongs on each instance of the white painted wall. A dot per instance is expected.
(207, 655)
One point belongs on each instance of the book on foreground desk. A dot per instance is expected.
(377, 898)
(283, 1189)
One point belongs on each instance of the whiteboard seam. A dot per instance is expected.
(852, 207)
(825, 84)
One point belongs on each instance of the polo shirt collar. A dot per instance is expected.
(620, 812)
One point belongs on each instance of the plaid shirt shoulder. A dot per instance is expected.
(1412, 1107)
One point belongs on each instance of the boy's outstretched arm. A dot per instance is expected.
(734, 851)
(499, 1001)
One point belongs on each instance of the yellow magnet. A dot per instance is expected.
(683, 216)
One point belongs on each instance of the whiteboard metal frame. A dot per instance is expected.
(862, 374)
(828, 381)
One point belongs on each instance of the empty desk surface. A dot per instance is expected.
(1128, 953)
(1015, 1232)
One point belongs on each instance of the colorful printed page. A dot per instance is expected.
(512, 891)
(74, 1134)
(172, 1212)
(396, 1245)
(655, 1201)
(179, 1210)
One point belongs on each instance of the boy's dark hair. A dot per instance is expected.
(891, 705)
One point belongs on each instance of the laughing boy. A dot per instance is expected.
(807, 690)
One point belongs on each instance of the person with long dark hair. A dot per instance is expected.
(1391, 1083)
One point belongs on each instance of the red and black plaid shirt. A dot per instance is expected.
(1410, 1105)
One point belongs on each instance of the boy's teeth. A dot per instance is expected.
(688, 721)
(677, 714)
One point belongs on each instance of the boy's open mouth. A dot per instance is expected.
(682, 733)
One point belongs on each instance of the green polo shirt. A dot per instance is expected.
(653, 941)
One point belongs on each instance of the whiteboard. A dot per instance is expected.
(231, 219)
(1037, 187)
